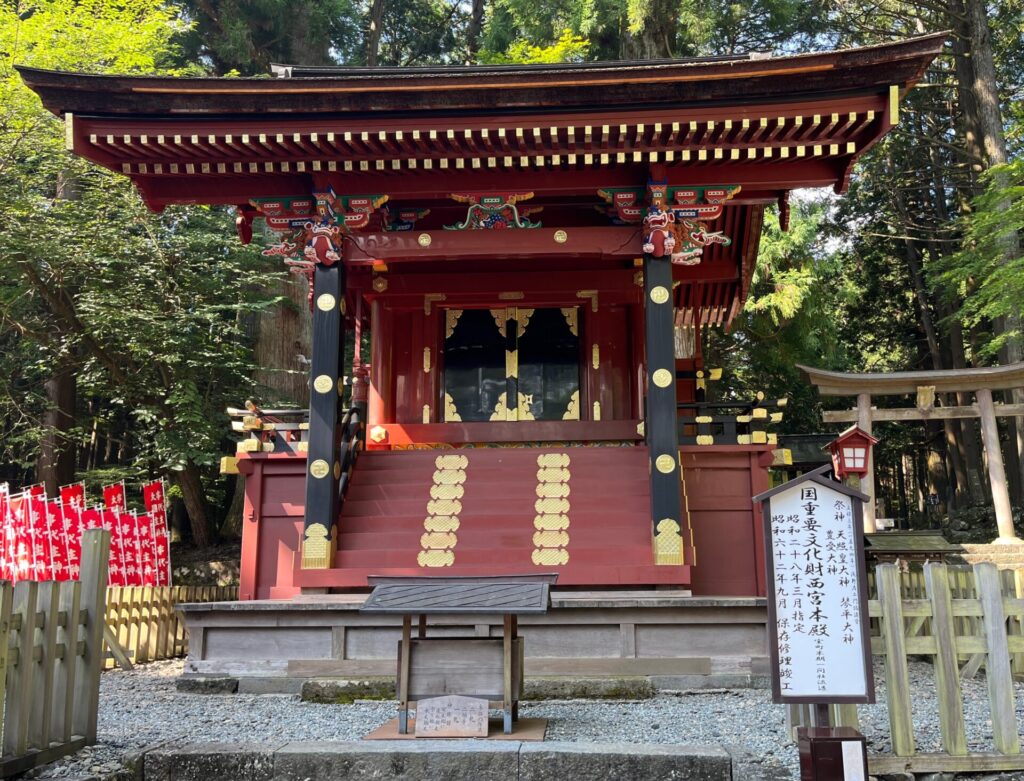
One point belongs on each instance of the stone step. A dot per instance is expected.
(509, 760)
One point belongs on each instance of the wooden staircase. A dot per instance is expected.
(581, 511)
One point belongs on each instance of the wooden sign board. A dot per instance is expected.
(817, 592)
(453, 716)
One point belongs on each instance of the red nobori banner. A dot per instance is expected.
(73, 496)
(114, 497)
(41, 539)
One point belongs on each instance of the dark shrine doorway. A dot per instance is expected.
(512, 364)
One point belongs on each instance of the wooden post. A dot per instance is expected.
(95, 554)
(897, 675)
(64, 679)
(404, 658)
(997, 665)
(947, 670)
(323, 469)
(6, 605)
(375, 410)
(506, 668)
(660, 425)
(996, 471)
(867, 483)
(19, 680)
(40, 718)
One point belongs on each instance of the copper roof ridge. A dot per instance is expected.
(392, 72)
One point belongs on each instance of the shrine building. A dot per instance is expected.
(535, 253)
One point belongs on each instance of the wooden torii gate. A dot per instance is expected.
(925, 384)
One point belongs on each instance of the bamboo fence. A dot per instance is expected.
(146, 624)
(961, 619)
(51, 637)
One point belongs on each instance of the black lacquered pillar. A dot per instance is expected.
(323, 469)
(660, 425)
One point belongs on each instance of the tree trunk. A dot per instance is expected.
(901, 491)
(476, 24)
(655, 40)
(232, 526)
(282, 348)
(965, 77)
(191, 484)
(306, 47)
(56, 463)
(373, 33)
(989, 119)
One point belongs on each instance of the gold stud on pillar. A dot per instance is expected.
(662, 378)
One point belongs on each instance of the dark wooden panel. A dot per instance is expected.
(471, 667)
(660, 424)
(459, 595)
(328, 345)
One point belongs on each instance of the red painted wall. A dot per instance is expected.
(727, 530)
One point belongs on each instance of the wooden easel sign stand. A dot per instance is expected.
(818, 638)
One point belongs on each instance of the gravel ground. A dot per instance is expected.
(142, 708)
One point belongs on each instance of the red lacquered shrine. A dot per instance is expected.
(534, 252)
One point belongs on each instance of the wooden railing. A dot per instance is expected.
(145, 623)
(729, 423)
(961, 619)
(50, 659)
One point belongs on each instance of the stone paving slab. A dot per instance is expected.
(438, 760)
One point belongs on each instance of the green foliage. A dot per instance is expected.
(988, 271)
(246, 36)
(681, 28)
(568, 48)
(146, 309)
(793, 315)
(150, 310)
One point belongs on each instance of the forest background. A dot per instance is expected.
(124, 335)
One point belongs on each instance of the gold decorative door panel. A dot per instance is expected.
(511, 364)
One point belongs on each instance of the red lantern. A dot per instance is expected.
(851, 452)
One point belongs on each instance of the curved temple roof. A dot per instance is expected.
(565, 133)
(504, 89)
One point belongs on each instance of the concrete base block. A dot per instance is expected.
(205, 761)
(342, 691)
(614, 762)
(438, 760)
(717, 681)
(207, 685)
(569, 688)
(269, 685)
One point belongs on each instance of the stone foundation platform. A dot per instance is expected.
(675, 640)
(441, 760)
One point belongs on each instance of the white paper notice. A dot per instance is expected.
(853, 761)
(816, 592)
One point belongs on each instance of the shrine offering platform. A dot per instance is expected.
(669, 637)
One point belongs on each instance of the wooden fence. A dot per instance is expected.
(51, 637)
(145, 623)
(960, 619)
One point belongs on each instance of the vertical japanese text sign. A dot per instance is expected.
(817, 592)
